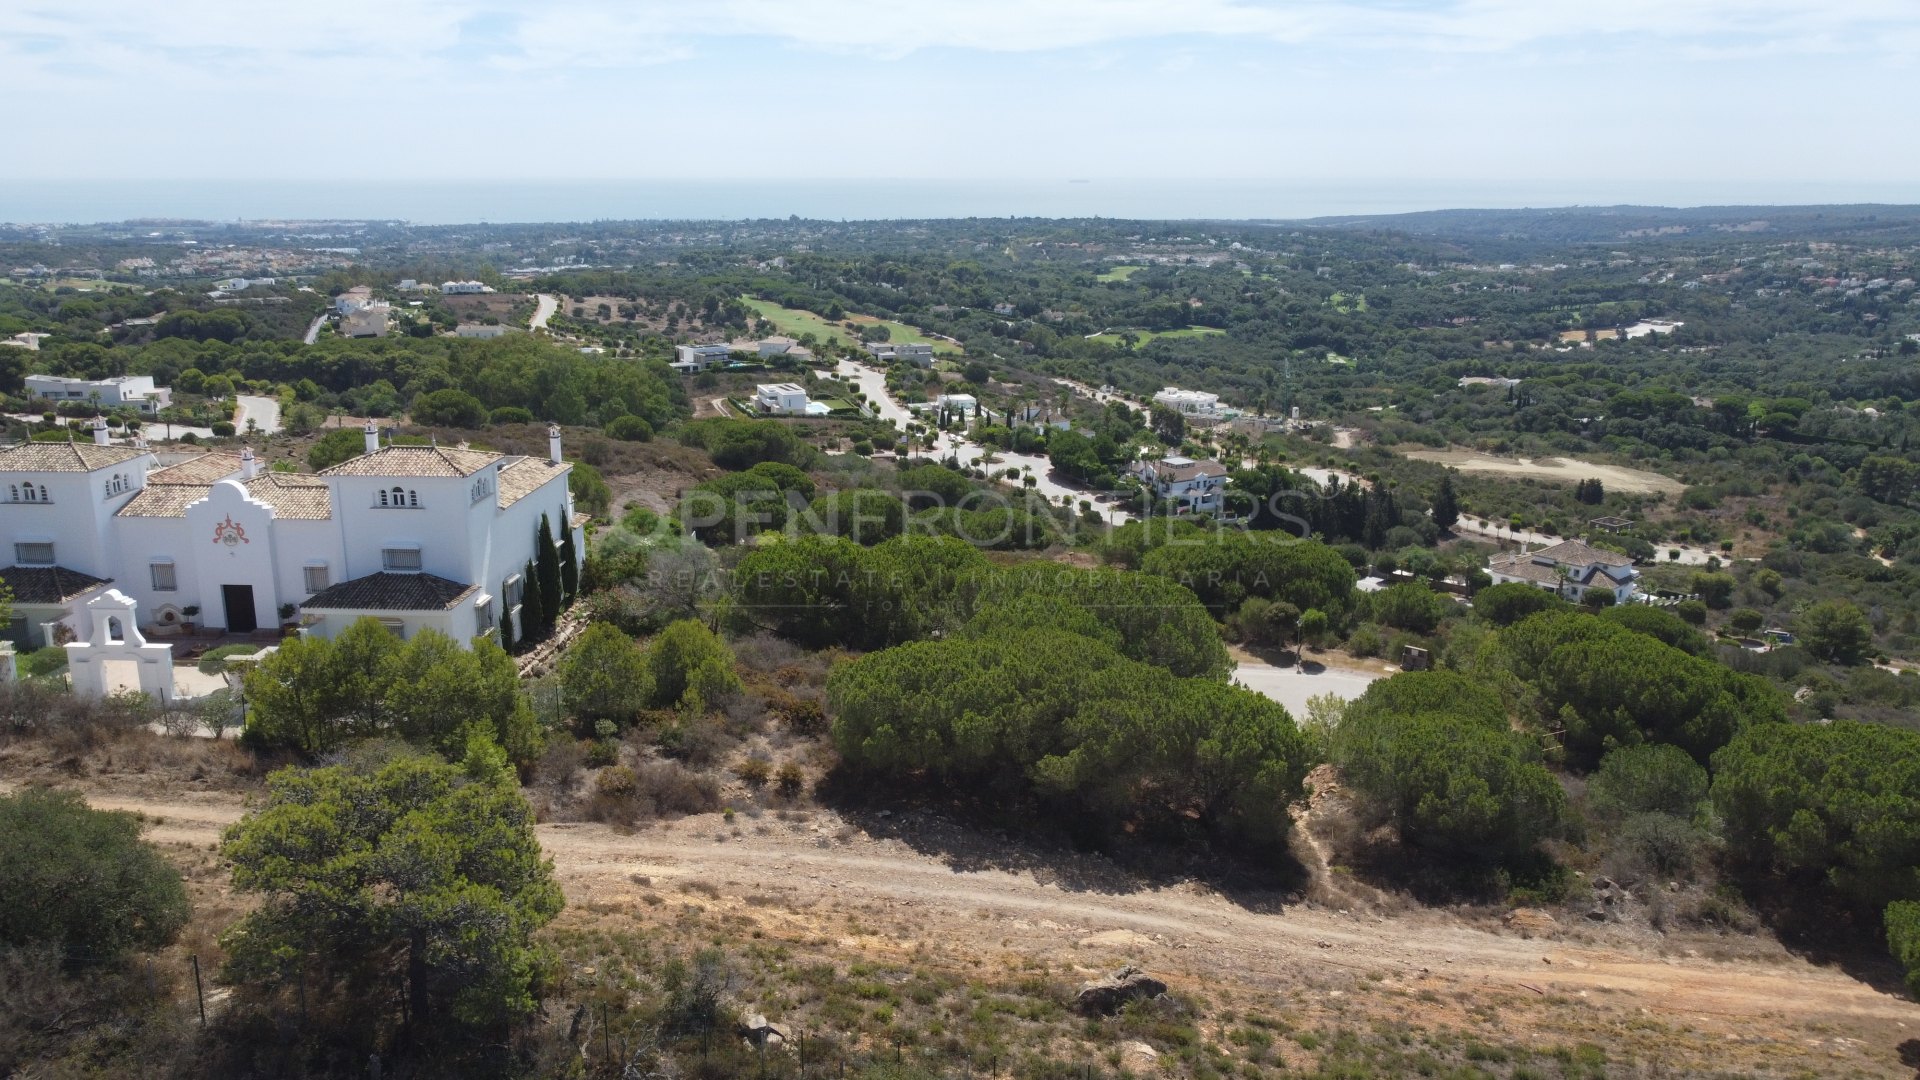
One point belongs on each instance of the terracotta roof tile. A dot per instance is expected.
(294, 496)
(64, 457)
(415, 461)
(163, 501)
(203, 469)
(523, 477)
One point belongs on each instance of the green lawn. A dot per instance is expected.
(1147, 336)
(1347, 305)
(793, 322)
(1120, 273)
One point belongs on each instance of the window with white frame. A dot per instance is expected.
(483, 613)
(510, 590)
(401, 560)
(317, 579)
(163, 577)
(33, 553)
(396, 627)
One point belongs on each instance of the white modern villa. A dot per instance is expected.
(415, 536)
(135, 390)
(1570, 568)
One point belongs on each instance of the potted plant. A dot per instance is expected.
(187, 615)
(286, 612)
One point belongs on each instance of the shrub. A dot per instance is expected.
(754, 771)
(1450, 783)
(449, 408)
(629, 429)
(603, 676)
(1691, 611)
(1508, 603)
(1903, 940)
(687, 661)
(82, 879)
(1647, 779)
(650, 790)
(512, 414)
(791, 780)
(1836, 803)
(222, 429)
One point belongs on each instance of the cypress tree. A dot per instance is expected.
(569, 565)
(506, 628)
(1446, 505)
(547, 561)
(533, 617)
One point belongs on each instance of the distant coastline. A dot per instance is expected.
(428, 203)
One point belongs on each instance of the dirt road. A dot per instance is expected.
(910, 882)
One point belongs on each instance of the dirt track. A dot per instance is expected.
(926, 884)
(1562, 470)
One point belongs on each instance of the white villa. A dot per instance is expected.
(415, 536)
(1570, 568)
(135, 390)
(355, 299)
(464, 288)
(1188, 402)
(786, 399)
(887, 352)
(483, 331)
(1194, 486)
(964, 404)
(693, 358)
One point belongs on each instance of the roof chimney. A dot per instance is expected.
(249, 465)
(372, 432)
(99, 429)
(553, 443)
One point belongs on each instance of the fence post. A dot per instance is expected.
(199, 992)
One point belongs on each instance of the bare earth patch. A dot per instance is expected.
(1559, 470)
(920, 891)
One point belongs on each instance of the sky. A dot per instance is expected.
(1598, 92)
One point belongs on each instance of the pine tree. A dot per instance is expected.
(1446, 505)
(533, 616)
(569, 565)
(547, 561)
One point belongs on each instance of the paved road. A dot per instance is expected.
(1291, 686)
(313, 331)
(543, 310)
(264, 411)
(873, 383)
(1689, 555)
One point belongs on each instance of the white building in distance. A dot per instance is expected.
(463, 288)
(1188, 402)
(415, 536)
(370, 321)
(136, 391)
(355, 299)
(694, 358)
(786, 399)
(887, 352)
(1192, 486)
(1570, 568)
(482, 331)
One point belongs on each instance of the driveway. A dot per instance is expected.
(264, 411)
(544, 307)
(1292, 686)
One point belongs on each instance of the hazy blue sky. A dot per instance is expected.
(1303, 90)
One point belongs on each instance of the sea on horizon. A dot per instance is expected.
(457, 202)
